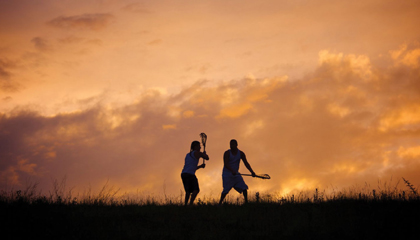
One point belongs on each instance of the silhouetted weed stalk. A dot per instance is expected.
(411, 187)
(109, 195)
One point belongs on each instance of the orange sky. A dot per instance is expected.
(317, 93)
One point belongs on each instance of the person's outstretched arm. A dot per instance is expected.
(247, 165)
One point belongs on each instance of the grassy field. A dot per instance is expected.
(376, 215)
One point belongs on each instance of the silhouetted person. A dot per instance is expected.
(189, 179)
(231, 177)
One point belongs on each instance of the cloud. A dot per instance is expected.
(155, 42)
(94, 22)
(169, 126)
(6, 82)
(136, 8)
(7, 99)
(41, 44)
(4, 72)
(70, 40)
(406, 56)
(348, 122)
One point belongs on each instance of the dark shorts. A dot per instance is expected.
(190, 182)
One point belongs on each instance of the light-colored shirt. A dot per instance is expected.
(191, 163)
(234, 161)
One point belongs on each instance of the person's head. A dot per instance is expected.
(195, 145)
(233, 144)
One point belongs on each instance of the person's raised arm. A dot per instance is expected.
(203, 155)
(199, 155)
(247, 165)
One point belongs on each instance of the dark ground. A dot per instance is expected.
(339, 219)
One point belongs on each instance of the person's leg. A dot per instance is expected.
(186, 181)
(228, 183)
(241, 187)
(245, 193)
(195, 189)
(222, 197)
(193, 196)
(187, 197)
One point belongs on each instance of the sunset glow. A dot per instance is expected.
(317, 93)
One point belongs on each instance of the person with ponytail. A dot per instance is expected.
(188, 177)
